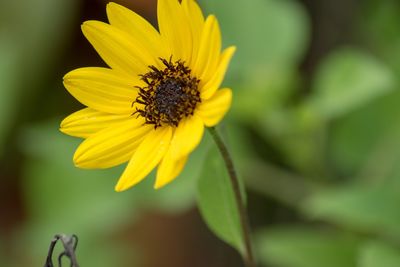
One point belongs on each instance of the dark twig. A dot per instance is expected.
(70, 243)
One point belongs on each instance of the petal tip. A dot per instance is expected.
(119, 188)
(66, 81)
(111, 6)
(62, 129)
(122, 185)
(65, 127)
(84, 26)
(63, 123)
(157, 186)
(228, 92)
(212, 17)
(68, 75)
(232, 49)
(77, 162)
(90, 25)
(160, 183)
(78, 159)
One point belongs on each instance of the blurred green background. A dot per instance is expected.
(313, 128)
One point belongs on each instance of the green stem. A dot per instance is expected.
(244, 220)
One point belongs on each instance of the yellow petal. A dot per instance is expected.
(214, 109)
(174, 28)
(118, 49)
(187, 136)
(196, 18)
(208, 89)
(102, 89)
(138, 28)
(87, 122)
(111, 146)
(209, 50)
(169, 169)
(147, 156)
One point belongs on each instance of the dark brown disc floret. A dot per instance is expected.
(170, 94)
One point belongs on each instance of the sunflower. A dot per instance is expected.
(161, 89)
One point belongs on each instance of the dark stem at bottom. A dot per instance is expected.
(244, 220)
(70, 243)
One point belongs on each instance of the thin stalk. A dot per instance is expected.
(244, 220)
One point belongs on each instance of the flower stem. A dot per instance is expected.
(244, 220)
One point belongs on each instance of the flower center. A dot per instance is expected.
(169, 95)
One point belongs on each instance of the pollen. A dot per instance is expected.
(170, 94)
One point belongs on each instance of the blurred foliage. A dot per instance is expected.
(216, 201)
(307, 247)
(60, 196)
(321, 146)
(273, 34)
(346, 80)
(372, 209)
(340, 140)
(30, 42)
(379, 254)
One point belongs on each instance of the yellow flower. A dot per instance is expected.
(161, 89)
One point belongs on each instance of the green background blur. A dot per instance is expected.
(314, 130)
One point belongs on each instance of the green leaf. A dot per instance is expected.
(348, 79)
(354, 143)
(306, 247)
(378, 27)
(298, 134)
(217, 202)
(372, 209)
(376, 254)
